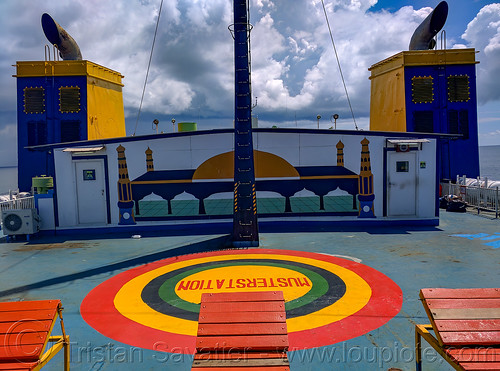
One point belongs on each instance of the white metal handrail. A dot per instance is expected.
(18, 203)
(482, 198)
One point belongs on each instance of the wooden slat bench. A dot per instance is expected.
(242, 331)
(466, 326)
(25, 329)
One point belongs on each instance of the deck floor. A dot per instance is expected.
(463, 251)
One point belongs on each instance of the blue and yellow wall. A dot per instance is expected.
(64, 101)
(430, 91)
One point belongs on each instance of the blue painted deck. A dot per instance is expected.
(463, 251)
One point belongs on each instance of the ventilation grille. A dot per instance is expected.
(34, 100)
(453, 121)
(423, 121)
(458, 122)
(37, 133)
(458, 88)
(70, 130)
(422, 89)
(69, 99)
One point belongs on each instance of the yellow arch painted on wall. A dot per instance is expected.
(267, 165)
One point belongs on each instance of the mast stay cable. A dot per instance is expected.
(149, 65)
(340, 68)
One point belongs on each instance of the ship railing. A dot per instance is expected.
(480, 195)
(18, 203)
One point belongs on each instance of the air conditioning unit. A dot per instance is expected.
(20, 221)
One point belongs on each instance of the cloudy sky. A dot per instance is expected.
(295, 75)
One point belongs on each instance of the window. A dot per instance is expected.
(69, 99)
(34, 100)
(458, 88)
(402, 166)
(422, 89)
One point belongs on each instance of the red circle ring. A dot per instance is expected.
(98, 308)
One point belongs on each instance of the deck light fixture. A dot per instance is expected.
(335, 117)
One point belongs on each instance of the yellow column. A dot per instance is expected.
(340, 153)
(149, 160)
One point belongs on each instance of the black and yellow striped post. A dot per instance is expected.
(125, 200)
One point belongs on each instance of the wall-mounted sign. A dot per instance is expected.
(89, 174)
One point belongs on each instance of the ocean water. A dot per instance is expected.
(489, 157)
(489, 160)
(8, 179)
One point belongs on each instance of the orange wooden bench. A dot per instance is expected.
(25, 328)
(466, 326)
(242, 331)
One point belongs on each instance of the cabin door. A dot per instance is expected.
(401, 183)
(91, 191)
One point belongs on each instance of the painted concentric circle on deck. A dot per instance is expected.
(328, 299)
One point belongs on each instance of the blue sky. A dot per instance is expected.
(294, 70)
(461, 11)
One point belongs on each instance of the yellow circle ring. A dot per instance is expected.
(129, 303)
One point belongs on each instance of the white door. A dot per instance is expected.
(401, 183)
(91, 192)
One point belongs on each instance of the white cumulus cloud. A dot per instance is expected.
(483, 33)
(295, 74)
